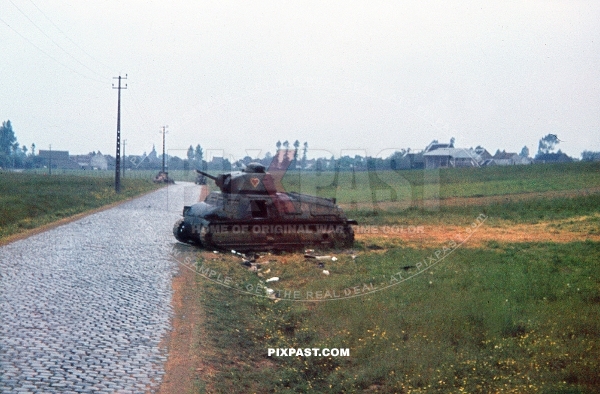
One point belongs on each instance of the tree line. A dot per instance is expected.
(288, 155)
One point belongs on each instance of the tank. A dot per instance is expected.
(163, 177)
(248, 213)
(200, 179)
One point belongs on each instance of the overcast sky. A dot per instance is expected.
(347, 77)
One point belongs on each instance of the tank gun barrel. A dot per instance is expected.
(214, 178)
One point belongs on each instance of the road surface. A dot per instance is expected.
(84, 306)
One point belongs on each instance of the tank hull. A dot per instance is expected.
(246, 236)
(284, 221)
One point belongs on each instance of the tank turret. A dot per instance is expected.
(252, 180)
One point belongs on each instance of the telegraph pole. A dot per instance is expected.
(164, 131)
(118, 158)
(124, 157)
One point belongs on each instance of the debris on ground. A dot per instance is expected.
(273, 279)
(326, 257)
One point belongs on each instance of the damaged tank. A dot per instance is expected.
(163, 177)
(250, 214)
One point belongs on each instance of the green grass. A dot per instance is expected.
(178, 175)
(411, 186)
(521, 318)
(526, 211)
(414, 185)
(506, 318)
(28, 200)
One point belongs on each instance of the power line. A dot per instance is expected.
(54, 42)
(133, 96)
(69, 38)
(48, 55)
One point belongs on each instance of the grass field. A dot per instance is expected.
(515, 309)
(178, 175)
(28, 201)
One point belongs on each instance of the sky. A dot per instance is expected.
(347, 77)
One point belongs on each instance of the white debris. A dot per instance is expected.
(323, 257)
(273, 279)
(334, 258)
(326, 272)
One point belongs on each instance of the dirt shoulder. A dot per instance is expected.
(185, 362)
(561, 231)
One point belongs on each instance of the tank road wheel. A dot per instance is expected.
(205, 237)
(178, 231)
(345, 240)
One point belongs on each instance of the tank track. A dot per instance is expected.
(276, 236)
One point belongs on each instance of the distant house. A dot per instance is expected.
(83, 161)
(482, 153)
(509, 158)
(450, 158)
(416, 159)
(91, 161)
(98, 162)
(558, 157)
(57, 159)
(437, 145)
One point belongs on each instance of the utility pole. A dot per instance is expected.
(164, 131)
(124, 157)
(118, 158)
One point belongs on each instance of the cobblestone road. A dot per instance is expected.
(84, 306)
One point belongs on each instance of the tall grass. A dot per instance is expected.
(29, 200)
(509, 318)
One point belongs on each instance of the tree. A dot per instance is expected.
(286, 145)
(524, 152)
(587, 155)
(304, 150)
(547, 144)
(190, 153)
(176, 163)
(296, 146)
(198, 154)
(7, 144)
(278, 145)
